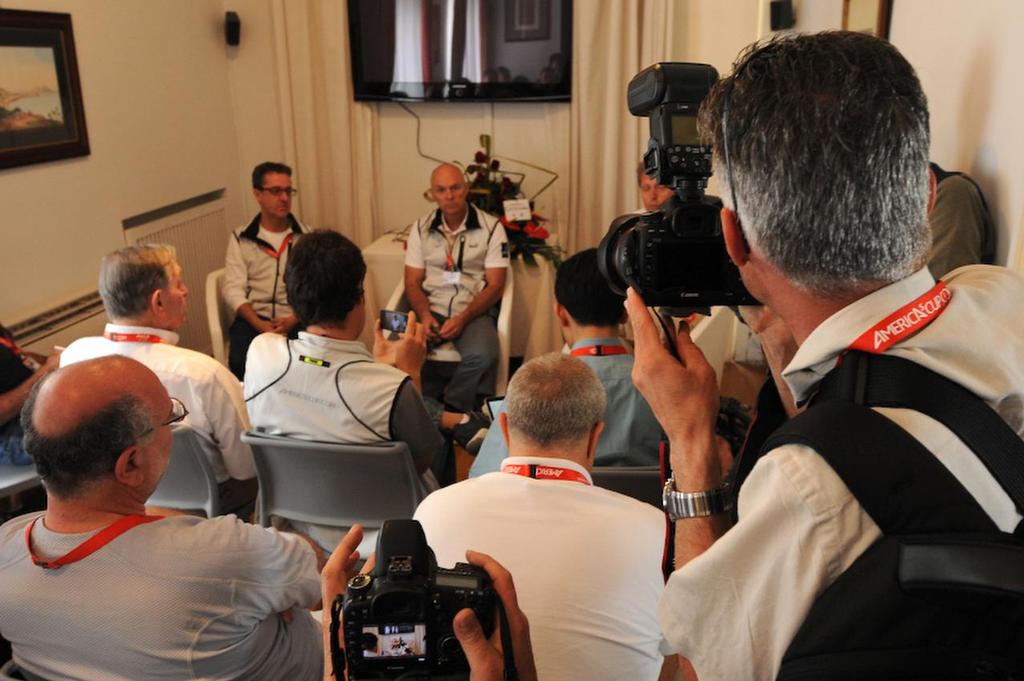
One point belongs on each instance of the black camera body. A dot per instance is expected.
(398, 618)
(674, 257)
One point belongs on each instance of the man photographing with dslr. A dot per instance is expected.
(820, 143)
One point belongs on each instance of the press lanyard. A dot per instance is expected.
(543, 472)
(450, 264)
(600, 350)
(905, 322)
(90, 545)
(10, 345)
(276, 255)
(133, 337)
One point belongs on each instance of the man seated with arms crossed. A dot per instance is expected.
(587, 561)
(589, 314)
(255, 263)
(456, 260)
(19, 371)
(93, 589)
(146, 300)
(832, 236)
(325, 385)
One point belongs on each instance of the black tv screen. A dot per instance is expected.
(461, 50)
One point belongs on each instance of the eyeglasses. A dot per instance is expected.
(178, 413)
(280, 191)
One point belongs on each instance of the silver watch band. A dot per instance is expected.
(695, 504)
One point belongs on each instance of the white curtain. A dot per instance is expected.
(612, 41)
(330, 139)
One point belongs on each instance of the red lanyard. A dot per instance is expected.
(133, 337)
(276, 255)
(542, 472)
(10, 345)
(90, 545)
(906, 321)
(599, 351)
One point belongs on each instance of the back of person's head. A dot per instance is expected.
(268, 167)
(129, 275)
(324, 277)
(828, 145)
(553, 400)
(584, 293)
(71, 457)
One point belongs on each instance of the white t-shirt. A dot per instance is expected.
(586, 563)
(179, 598)
(213, 396)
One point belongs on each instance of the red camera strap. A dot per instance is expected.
(90, 545)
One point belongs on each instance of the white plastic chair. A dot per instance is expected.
(14, 479)
(642, 483)
(218, 317)
(398, 302)
(338, 485)
(189, 483)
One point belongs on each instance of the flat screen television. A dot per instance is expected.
(461, 50)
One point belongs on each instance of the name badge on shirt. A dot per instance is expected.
(452, 277)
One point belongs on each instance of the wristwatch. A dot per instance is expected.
(695, 504)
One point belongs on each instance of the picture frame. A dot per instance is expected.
(41, 113)
(527, 20)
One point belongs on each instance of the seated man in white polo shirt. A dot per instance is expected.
(95, 590)
(326, 385)
(146, 299)
(587, 561)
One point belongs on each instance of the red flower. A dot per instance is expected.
(495, 164)
(535, 231)
(509, 225)
(480, 157)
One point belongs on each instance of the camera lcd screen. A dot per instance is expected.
(456, 581)
(394, 640)
(684, 130)
(393, 321)
(691, 266)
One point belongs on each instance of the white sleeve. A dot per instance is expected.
(414, 248)
(497, 248)
(227, 416)
(734, 610)
(236, 275)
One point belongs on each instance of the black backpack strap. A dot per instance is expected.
(888, 381)
(898, 482)
(769, 415)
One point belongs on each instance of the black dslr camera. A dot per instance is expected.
(398, 618)
(674, 257)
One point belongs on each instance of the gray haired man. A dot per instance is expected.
(821, 145)
(586, 560)
(146, 299)
(95, 589)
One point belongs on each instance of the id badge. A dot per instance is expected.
(452, 277)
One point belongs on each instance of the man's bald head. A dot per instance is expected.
(79, 419)
(449, 188)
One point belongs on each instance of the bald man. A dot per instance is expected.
(456, 260)
(93, 588)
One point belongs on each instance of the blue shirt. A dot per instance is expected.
(631, 433)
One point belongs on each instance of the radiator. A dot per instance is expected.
(199, 236)
(79, 316)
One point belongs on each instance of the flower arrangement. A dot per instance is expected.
(489, 187)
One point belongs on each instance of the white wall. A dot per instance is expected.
(968, 57)
(155, 90)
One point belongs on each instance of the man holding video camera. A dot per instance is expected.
(821, 147)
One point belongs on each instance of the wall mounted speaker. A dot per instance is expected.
(782, 15)
(233, 28)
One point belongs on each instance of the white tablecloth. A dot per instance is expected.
(534, 328)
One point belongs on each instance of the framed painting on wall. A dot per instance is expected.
(41, 115)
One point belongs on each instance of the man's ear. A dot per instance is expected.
(127, 468)
(156, 301)
(562, 314)
(503, 424)
(933, 188)
(735, 242)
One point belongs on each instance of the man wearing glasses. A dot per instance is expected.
(255, 262)
(93, 588)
